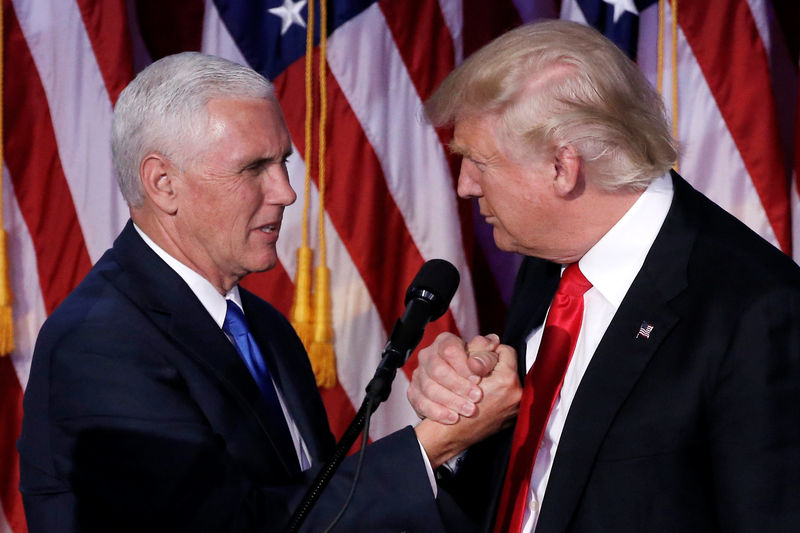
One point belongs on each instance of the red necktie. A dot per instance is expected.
(542, 384)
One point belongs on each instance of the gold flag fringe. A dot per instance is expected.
(315, 326)
(323, 357)
(673, 61)
(301, 307)
(6, 298)
(300, 315)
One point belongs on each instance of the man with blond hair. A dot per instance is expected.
(658, 338)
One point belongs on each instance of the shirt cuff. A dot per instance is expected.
(429, 469)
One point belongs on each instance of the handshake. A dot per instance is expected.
(464, 392)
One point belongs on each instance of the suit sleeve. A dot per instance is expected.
(754, 425)
(128, 449)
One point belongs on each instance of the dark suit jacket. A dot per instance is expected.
(694, 429)
(140, 415)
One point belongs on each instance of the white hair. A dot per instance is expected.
(164, 108)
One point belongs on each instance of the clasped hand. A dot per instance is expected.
(464, 392)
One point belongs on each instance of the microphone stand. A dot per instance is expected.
(378, 391)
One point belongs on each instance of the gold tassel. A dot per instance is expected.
(6, 319)
(317, 336)
(675, 75)
(323, 359)
(6, 299)
(300, 315)
(673, 61)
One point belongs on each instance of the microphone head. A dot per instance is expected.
(435, 282)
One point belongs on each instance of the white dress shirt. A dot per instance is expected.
(611, 266)
(217, 306)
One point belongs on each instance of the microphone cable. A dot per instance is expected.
(361, 453)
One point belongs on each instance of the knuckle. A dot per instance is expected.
(438, 372)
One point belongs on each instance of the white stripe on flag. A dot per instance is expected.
(80, 109)
(453, 13)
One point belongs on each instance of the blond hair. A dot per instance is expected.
(561, 83)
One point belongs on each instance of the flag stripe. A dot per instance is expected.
(39, 183)
(729, 50)
(415, 42)
(10, 424)
(80, 110)
(107, 25)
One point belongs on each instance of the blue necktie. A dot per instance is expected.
(235, 325)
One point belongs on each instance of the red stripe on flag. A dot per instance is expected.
(275, 286)
(339, 407)
(427, 50)
(106, 23)
(359, 204)
(428, 53)
(425, 46)
(10, 425)
(33, 162)
(725, 40)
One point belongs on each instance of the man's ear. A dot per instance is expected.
(157, 174)
(567, 181)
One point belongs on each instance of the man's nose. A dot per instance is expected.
(468, 186)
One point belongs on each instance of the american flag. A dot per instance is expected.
(644, 330)
(390, 194)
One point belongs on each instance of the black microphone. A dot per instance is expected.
(427, 298)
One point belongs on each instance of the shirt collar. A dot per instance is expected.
(614, 261)
(209, 297)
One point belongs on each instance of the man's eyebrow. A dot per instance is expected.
(260, 161)
(457, 149)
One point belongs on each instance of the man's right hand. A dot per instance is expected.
(482, 364)
(445, 384)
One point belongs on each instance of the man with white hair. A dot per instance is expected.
(164, 397)
(658, 338)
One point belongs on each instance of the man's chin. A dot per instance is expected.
(263, 265)
(502, 241)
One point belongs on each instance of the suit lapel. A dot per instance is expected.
(617, 364)
(175, 309)
(289, 365)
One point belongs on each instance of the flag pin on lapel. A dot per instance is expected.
(644, 330)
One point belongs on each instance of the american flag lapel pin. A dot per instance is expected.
(644, 330)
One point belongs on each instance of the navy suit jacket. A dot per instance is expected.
(694, 429)
(140, 415)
